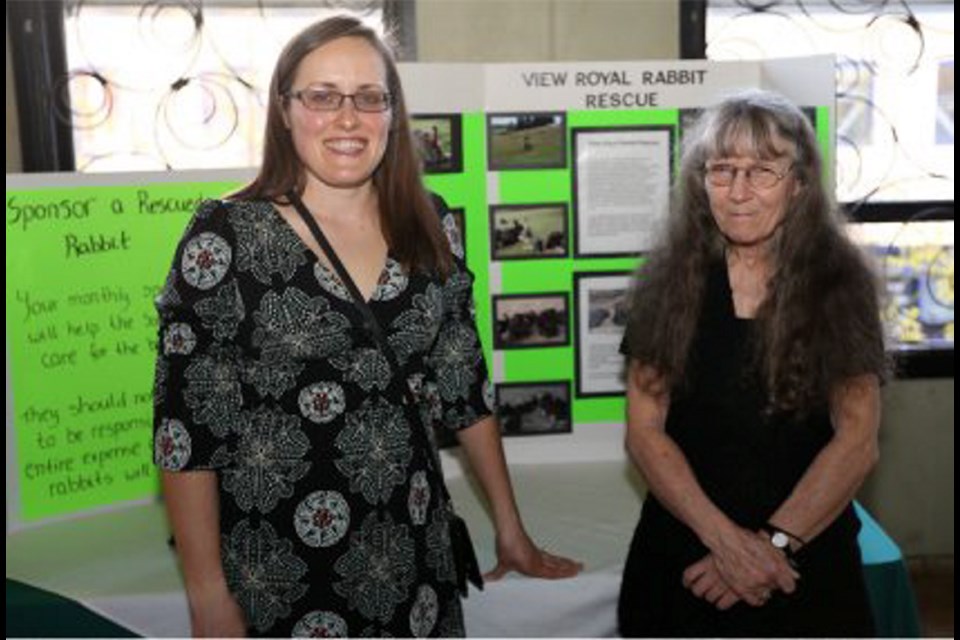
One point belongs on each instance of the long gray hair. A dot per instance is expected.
(820, 323)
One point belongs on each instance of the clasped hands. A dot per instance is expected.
(744, 568)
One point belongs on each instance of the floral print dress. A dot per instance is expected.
(332, 520)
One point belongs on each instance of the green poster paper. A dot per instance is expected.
(83, 267)
(556, 275)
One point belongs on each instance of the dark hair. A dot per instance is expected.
(407, 216)
(820, 323)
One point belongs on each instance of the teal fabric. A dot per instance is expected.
(888, 582)
(876, 547)
(36, 613)
(891, 599)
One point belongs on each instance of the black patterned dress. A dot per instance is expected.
(332, 519)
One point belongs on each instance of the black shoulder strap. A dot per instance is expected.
(370, 320)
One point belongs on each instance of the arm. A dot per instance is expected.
(190, 488)
(835, 475)
(515, 550)
(746, 562)
(826, 488)
(194, 511)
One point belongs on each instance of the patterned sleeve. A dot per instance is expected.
(197, 392)
(465, 390)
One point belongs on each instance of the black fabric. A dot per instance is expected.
(464, 557)
(747, 462)
(332, 520)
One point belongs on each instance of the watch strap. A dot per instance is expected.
(772, 528)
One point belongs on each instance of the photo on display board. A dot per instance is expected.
(533, 408)
(519, 232)
(526, 141)
(621, 188)
(601, 310)
(437, 137)
(530, 320)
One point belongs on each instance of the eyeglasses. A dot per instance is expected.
(757, 176)
(367, 101)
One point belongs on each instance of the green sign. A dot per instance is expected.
(83, 267)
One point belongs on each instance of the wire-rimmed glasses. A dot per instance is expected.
(322, 99)
(758, 176)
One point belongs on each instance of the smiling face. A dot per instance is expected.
(749, 216)
(340, 149)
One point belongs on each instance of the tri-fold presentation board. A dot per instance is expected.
(559, 174)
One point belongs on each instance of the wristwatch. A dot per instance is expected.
(781, 541)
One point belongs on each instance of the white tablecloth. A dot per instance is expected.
(118, 564)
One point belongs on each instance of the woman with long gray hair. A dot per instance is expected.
(754, 361)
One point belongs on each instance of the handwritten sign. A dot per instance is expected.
(84, 264)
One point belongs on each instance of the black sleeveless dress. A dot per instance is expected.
(747, 463)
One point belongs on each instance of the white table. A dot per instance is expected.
(118, 564)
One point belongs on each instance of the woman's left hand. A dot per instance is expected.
(518, 553)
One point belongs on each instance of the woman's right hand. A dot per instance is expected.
(517, 552)
(751, 566)
(705, 582)
(217, 615)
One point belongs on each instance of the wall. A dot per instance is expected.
(536, 30)
(911, 490)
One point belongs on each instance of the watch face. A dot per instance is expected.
(780, 540)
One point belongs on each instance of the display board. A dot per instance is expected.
(558, 173)
(565, 180)
(84, 261)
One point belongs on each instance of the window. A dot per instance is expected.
(916, 258)
(894, 133)
(894, 83)
(176, 85)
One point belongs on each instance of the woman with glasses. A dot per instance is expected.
(315, 328)
(754, 359)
